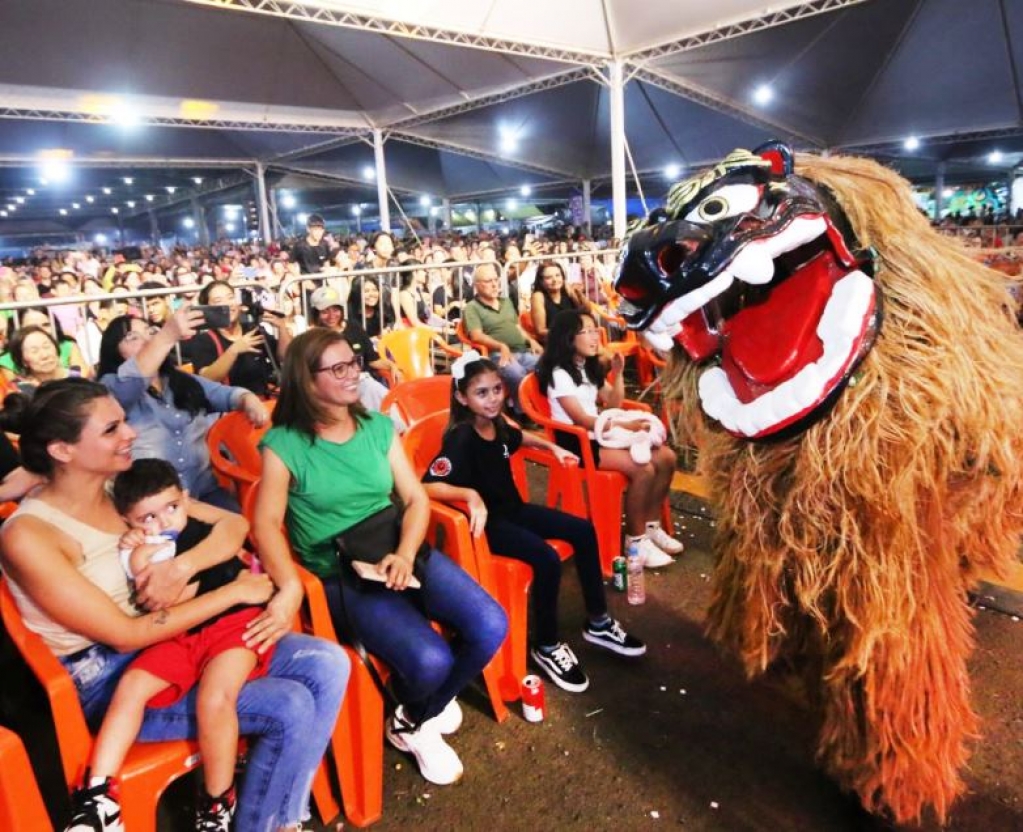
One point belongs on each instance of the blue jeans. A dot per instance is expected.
(288, 716)
(428, 671)
(521, 365)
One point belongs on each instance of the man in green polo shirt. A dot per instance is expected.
(490, 320)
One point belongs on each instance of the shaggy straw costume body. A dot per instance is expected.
(850, 547)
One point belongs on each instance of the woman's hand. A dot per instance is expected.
(563, 456)
(397, 569)
(184, 323)
(254, 409)
(251, 341)
(617, 363)
(252, 588)
(271, 625)
(477, 513)
(160, 585)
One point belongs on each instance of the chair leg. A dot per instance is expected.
(605, 496)
(21, 804)
(358, 746)
(323, 796)
(512, 580)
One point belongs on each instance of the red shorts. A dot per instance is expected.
(181, 661)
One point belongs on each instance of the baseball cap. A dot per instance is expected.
(324, 298)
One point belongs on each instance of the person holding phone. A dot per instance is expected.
(233, 353)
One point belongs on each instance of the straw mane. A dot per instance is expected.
(853, 544)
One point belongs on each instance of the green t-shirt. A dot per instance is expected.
(501, 324)
(333, 485)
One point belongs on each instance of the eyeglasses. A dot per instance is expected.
(343, 369)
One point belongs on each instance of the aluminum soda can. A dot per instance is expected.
(619, 574)
(532, 698)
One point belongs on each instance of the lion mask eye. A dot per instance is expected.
(727, 201)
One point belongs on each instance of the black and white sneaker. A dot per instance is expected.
(612, 637)
(214, 814)
(96, 808)
(561, 667)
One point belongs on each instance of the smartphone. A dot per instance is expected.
(368, 572)
(215, 317)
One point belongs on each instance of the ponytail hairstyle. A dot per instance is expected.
(559, 352)
(463, 371)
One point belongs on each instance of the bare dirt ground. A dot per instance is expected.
(676, 739)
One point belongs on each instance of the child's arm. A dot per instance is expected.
(446, 493)
(533, 440)
(612, 394)
(160, 584)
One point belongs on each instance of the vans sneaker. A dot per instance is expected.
(214, 814)
(437, 760)
(662, 540)
(612, 637)
(562, 667)
(653, 556)
(96, 808)
(447, 721)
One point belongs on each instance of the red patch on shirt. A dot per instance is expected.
(441, 467)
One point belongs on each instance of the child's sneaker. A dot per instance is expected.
(214, 814)
(449, 720)
(562, 667)
(611, 636)
(662, 540)
(437, 760)
(96, 808)
(653, 556)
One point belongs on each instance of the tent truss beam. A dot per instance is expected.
(304, 13)
(339, 178)
(739, 28)
(897, 143)
(473, 153)
(720, 104)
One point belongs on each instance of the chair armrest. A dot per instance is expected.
(445, 347)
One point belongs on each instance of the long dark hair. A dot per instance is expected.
(559, 351)
(188, 393)
(56, 412)
(460, 414)
(297, 406)
(538, 280)
(374, 323)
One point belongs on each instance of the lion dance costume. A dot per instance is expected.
(853, 382)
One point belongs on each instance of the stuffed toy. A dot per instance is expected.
(852, 382)
(639, 442)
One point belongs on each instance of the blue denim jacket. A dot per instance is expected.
(167, 432)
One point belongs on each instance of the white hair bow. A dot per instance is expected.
(463, 361)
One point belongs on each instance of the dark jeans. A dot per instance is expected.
(428, 671)
(523, 536)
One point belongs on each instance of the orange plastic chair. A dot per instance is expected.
(21, 804)
(526, 322)
(412, 350)
(413, 400)
(506, 579)
(233, 443)
(463, 336)
(604, 489)
(149, 767)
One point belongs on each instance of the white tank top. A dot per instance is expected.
(100, 566)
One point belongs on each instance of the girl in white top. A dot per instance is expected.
(570, 376)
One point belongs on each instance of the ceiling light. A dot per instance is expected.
(113, 210)
(197, 180)
(149, 197)
(107, 191)
(762, 95)
(424, 201)
(672, 171)
(20, 200)
(188, 222)
(229, 227)
(948, 193)
(130, 203)
(512, 204)
(11, 207)
(30, 191)
(288, 201)
(911, 144)
(171, 189)
(63, 212)
(356, 210)
(128, 180)
(369, 172)
(75, 205)
(302, 218)
(100, 238)
(89, 198)
(994, 157)
(525, 190)
(3, 213)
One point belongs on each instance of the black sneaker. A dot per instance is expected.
(612, 637)
(96, 808)
(214, 814)
(562, 667)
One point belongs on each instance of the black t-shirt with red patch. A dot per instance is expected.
(467, 460)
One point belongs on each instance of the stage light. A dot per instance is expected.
(763, 95)
(911, 144)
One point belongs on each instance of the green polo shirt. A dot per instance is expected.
(501, 324)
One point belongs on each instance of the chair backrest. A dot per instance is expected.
(73, 735)
(410, 350)
(533, 401)
(413, 400)
(526, 322)
(233, 443)
(463, 335)
(423, 440)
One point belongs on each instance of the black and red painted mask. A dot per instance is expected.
(754, 271)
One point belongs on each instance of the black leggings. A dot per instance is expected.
(523, 536)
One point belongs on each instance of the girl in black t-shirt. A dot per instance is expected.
(474, 466)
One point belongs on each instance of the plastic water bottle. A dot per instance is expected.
(636, 589)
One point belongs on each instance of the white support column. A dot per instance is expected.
(939, 190)
(378, 153)
(266, 231)
(587, 210)
(154, 227)
(446, 211)
(199, 214)
(616, 94)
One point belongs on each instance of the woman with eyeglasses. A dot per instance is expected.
(329, 465)
(171, 410)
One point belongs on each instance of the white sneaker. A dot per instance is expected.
(437, 761)
(662, 540)
(653, 556)
(447, 721)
